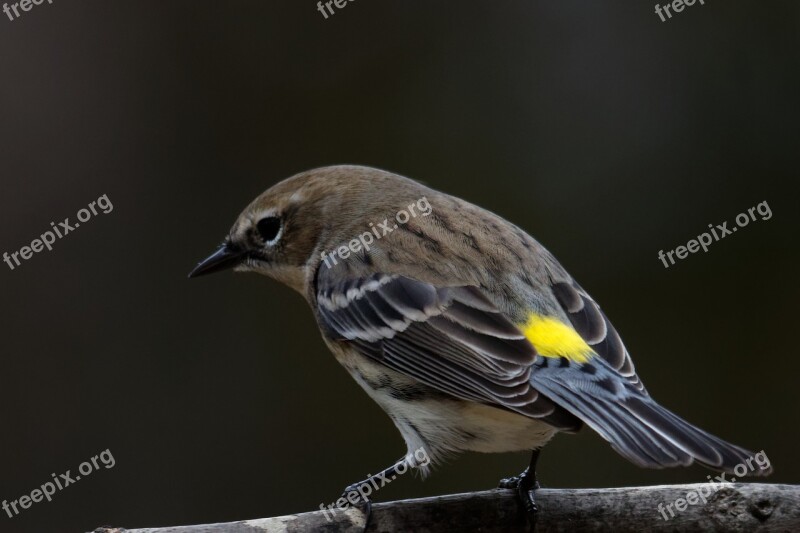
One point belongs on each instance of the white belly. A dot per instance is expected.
(441, 424)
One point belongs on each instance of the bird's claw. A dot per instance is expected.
(509, 483)
(525, 485)
(363, 502)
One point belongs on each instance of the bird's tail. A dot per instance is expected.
(636, 426)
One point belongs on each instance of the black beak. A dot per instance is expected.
(226, 256)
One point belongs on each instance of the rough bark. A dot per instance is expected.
(728, 507)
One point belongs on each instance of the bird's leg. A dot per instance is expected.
(361, 491)
(525, 484)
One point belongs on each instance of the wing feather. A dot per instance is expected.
(594, 327)
(452, 339)
(455, 340)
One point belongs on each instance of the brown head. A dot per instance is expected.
(284, 231)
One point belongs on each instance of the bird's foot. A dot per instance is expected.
(362, 502)
(525, 485)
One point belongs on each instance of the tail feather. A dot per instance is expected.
(637, 427)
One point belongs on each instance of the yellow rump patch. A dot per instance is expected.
(553, 338)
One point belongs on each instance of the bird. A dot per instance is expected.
(462, 327)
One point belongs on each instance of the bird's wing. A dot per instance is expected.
(452, 339)
(595, 329)
(602, 389)
(455, 340)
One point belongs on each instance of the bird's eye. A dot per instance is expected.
(269, 228)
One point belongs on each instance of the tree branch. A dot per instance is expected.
(736, 507)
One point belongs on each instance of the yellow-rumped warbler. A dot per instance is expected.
(461, 326)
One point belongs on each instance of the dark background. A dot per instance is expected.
(604, 132)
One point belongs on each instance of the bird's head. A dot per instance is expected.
(284, 231)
